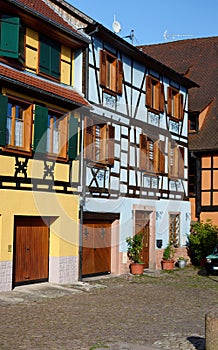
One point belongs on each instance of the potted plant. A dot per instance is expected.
(168, 255)
(134, 253)
(182, 262)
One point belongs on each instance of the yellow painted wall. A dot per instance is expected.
(64, 230)
(32, 50)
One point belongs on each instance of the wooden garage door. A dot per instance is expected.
(31, 250)
(96, 251)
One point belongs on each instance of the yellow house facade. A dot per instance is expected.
(40, 103)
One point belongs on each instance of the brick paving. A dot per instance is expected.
(156, 311)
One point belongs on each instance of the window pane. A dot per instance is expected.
(18, 139)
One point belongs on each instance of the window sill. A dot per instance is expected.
(93, 164)
(109, 92)
(17, 151)
(175, 119)
(153, 110)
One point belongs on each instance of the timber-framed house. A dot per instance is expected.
(203, 111)
(40, 103)
(134, 154)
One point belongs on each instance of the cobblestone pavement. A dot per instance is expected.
(159, 310)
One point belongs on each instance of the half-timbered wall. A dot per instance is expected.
(150, 165)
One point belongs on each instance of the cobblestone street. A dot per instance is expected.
(156, 311)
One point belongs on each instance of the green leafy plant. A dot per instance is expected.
(182, 258)
(202, 239)
(169, 252)
(134, 248)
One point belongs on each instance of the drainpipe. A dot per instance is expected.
(82, 196)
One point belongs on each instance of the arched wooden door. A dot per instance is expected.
(96, 250)
(31, 250)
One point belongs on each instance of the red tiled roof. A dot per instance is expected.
(196, 59)
(54, 89)
(41, 8)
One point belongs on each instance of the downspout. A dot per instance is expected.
(82, 197)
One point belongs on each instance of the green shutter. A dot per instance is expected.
(3, 119)
(40, 129)
(73, 138)
(50, 58)
(44, 63)
(55, 60)
(9, 45)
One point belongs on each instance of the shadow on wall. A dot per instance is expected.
(198, 342)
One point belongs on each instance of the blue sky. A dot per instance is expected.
(150, 19)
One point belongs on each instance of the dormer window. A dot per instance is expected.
(193, 121)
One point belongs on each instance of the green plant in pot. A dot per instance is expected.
(134, 253)
(182, 262)
(168, 255)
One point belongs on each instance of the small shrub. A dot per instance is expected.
(202, 239)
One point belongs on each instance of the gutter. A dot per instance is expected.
(41, 91)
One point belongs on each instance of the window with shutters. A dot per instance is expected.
(176, 160)
(174, 229)
(154, 94)
(54, 134)
(18, 125)
(49, 58)
(175, 107)
(99, 142)
(11, 38)
(111, 73)
(152, 155)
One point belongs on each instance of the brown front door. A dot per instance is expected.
(142, 221)
(31, 250)
(96, 251)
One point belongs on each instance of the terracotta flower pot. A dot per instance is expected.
(136, 269)
(167, 264)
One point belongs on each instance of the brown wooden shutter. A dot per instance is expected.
(88, 138)
(148, 91)
(181, 109)
(63, 137)
(170, 173)
(161, 157)
(110, 142)
(119, 77)
(181, 161)
(176, 162)
(103, 144)
(143, 151)
(169, 101)
(28, 127)
(162, 99)
(103, 63)
(156, 156)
